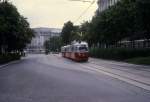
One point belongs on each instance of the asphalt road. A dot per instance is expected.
(41, 78)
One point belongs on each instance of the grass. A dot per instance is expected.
(139, 60)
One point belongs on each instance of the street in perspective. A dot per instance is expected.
(51, 78)
(74, 51)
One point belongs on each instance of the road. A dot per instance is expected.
(41, 78)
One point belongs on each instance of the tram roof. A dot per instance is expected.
(76, 43)
(79, 43)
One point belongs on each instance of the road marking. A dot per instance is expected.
(128, 80)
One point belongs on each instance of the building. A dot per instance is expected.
(105, 4)
(41, 35)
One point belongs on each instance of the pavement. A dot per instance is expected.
(52, 78)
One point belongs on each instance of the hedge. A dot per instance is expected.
(4, 58)
(119, 53)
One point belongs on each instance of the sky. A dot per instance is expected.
(54, 13)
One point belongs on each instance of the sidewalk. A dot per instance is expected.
(9, 63)
(138, 74)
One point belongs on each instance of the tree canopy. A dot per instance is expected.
(53, 44)
(128, 19)
(66, 32)
(70, 32)
(15, 31)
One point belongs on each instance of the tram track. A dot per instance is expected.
(125, 69)
(135, 67)
(129, 78)
(135, 79)
(121, 68)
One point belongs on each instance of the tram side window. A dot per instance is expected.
(67, 49)
(75, 49)
(72, 49)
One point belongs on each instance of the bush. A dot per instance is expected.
(118, 53)
(4, 58)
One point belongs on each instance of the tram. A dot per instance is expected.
(77, 51)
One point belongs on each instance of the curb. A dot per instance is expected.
(9, 63)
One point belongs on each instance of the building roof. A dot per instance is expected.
(45, 29)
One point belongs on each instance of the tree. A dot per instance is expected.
(87, 33)
(15, 32)
(53, 44)
(143, 15)
(70, 33)
(125, 20)
(76, 34)
(67, 32)
(47, 46)
(24, 35)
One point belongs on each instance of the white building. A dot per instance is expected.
(105, 4)
(41, 35)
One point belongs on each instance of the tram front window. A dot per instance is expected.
(83, 49)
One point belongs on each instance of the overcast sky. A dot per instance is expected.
(53, 13)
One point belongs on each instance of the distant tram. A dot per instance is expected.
(77, 51)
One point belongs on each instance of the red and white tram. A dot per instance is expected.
(77, 51)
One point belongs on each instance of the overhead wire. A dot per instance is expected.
(85, 11)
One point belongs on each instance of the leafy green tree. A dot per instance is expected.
(88, 32)
(143, 15)
(53, 44)
(15, 32)
(76, 34)
(70, 33)
(47, 46)
(67, 32)
(117, 22)
(128, 19)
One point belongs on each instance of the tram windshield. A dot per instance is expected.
(83, 49)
